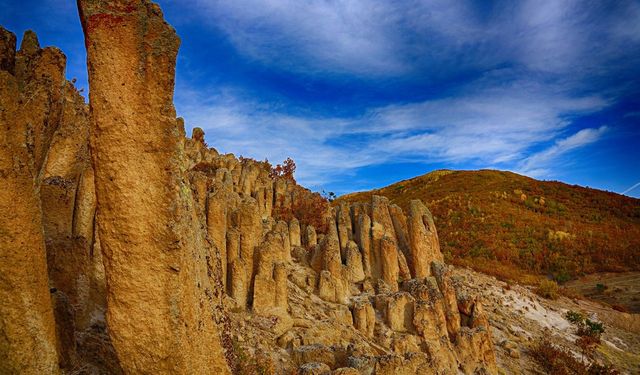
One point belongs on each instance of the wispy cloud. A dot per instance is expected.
(537, 164)
(514, 77)
(486, 126)
(353, 36)
(398, 37)
(631, 188)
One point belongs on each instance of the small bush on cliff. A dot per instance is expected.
(247, 364)
(548, 289)
(309, 210)
(284, 170)
(601, 288)
(556, 360)
(330, 196)
(585, 326)
(574, 317)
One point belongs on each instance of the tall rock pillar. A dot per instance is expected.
(160, 299)
(27, 328)
(423, 239)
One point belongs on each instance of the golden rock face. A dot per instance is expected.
(27, 328)
(158, 296)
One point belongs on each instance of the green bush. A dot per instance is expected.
(591, 328)
(574, 317)
(601, 288)
(589, 332)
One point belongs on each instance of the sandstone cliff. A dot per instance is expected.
(27, 339)
(130, 248)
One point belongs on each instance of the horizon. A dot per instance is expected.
(363, 95)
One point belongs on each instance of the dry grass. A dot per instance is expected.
(529, 227)
(548, 289)
(557, 360)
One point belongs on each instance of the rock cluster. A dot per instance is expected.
(130, 248)
(381, 270)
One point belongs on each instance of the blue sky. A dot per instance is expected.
(363, 93)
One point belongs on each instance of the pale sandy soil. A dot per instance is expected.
(519, 318)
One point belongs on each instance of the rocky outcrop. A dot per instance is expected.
(52, 121)
(414, 295)
(159, 296)
(423, 239)
(191, 255)
(364, 317)
(27, 328)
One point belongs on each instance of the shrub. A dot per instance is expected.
(620, 308)
(587, 345)
(589, 332)
(284, 170)
(548, 289)
(247, 364)
(330, 196)
(557, 360)
(309, 209)
(600, 288)
(574, 317)
(592, 329)
(585, 326)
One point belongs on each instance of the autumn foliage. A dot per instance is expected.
(309, 209)
(512, 226)
(558, 360)
(548, 289)
(284, 170)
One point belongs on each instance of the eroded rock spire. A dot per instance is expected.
(27, 328)
(160, 298)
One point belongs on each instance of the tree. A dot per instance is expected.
(330, 196)
(309, 209)
(589, 333)
(284, 170)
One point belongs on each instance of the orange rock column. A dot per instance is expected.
(159, 297)
(27, 327)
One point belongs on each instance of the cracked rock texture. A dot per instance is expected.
(27, 328)
(160, 299)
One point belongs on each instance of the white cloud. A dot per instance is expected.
(538, 164)
(391, 38)
(558, 46)
(495, 126)
(353, 36)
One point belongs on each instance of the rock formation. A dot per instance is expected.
(165, 256)
(366, 268)
(160, 299)
(27, 328)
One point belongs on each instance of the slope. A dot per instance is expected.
(514, 226)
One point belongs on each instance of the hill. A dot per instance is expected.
(514, 226)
